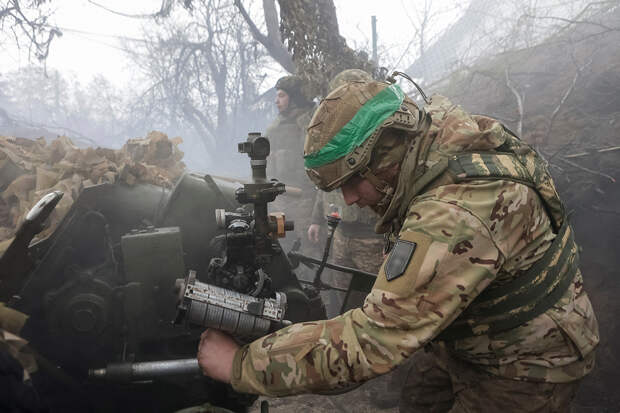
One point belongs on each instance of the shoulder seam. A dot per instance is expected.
(484, 224)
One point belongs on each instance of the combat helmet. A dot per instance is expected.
(294, 87)
(347, 126)
(349, 75)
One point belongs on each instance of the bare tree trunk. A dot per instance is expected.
(310, 30)
(308, 42)
(271, 41)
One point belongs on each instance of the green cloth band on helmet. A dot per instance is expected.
(368, 118)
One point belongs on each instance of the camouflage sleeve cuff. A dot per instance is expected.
(237, 371)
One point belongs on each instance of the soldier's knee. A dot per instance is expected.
(428, 387)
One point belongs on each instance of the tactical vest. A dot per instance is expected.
(503, 307)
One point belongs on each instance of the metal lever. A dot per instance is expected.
(16, 262)
(333, 219)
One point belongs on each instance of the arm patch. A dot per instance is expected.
(399, 259)
(399, 271)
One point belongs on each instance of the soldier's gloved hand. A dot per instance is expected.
(216, 352)
(313, 233)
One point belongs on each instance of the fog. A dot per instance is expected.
(101, 73)
(110, 77)
(113, 73)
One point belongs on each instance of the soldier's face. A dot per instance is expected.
(361, 192)
(281, 100)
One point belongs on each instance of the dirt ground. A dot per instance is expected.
(364, 399)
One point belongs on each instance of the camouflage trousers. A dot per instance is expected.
(438, 383)
(360, 253)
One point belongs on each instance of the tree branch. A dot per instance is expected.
(6, 12)
(605, 210)
(564, 97)
(570, 21)
(310, 31)
(34, 29)
(582, 154)
(164, 10)
(271, 21)
(516, 93)
(272, 42)
(583, 168)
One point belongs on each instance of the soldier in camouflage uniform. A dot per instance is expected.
(286, 135)
(482, 276)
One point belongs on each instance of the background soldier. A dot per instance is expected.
(482, 270)
(286, 134)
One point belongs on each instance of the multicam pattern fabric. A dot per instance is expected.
(349, 75)
(334, 118)
(365, 254)
(468, 235)
(354, 133)
(362, 250)
(439, 383)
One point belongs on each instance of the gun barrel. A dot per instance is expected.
(145, 370)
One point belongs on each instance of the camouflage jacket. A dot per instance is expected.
(467, 236)
(286, 135)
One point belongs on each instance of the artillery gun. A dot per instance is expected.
(107, 290)
(100, 290)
